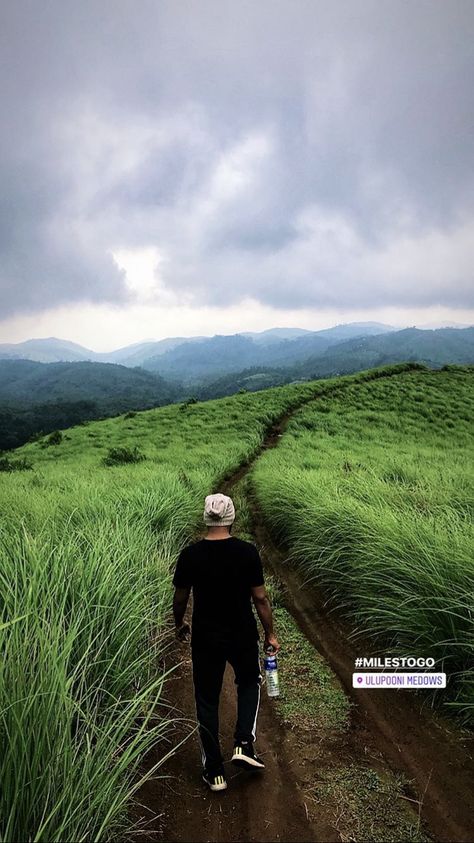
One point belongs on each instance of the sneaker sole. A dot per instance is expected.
(215, 787)
(248, 763)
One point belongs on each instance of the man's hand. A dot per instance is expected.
(182, 632)
(180, 601)
(264, 611)
(271, 642)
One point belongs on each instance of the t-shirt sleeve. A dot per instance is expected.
(256, 569)
(182, 574)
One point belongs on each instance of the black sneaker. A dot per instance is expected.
(214, 781)
(244, 756)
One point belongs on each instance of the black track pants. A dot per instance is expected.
(209, 661)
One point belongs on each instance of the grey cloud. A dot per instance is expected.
(125, 122)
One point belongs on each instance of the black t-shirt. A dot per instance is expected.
(221, 573)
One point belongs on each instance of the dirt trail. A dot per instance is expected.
(438, 759)
(255, 807)
(386, 725)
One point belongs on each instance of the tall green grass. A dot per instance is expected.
(81, 670)
(86, 551)
(371, 489)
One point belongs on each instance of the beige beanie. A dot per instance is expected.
(218, 511)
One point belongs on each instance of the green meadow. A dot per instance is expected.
(371, 491)
(369, 488)
(86, 551)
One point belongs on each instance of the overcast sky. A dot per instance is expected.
(211, 166)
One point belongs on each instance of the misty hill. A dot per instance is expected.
(435, 348)
(219, 355)
(53, 350)
(355, 329)
(46, 350)
(275, 334)
(134, 355)
(337, 332)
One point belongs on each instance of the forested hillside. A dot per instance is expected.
(37, 397)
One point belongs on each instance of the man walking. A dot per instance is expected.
(225, 574)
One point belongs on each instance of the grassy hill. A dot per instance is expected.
(375, 473)
(372, 491)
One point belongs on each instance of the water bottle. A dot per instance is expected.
(271, 672)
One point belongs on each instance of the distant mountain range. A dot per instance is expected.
(319, 354)
(47, 394)
(168, 367)
(434, 348)
(53, 350)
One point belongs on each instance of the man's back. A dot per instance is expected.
(221, 573)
